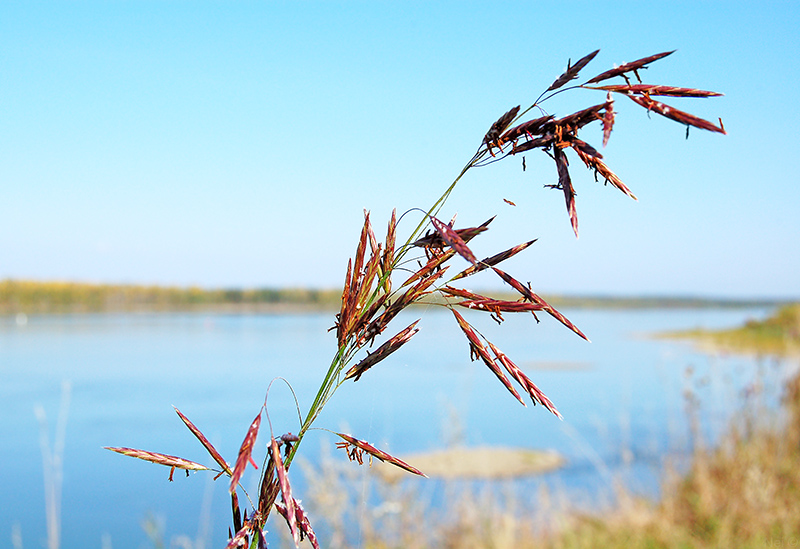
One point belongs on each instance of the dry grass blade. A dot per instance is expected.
(633, 66)
(600, 168)
(572, 71)
(379, 454)
(245, 453)
(286, 490)
(173, 462)
(565, 184)
(493, 260)
(528, 294)
(676, 115)
(205, 442)
(533, 391)
(303, 523)
(382, 352)
(453, 240)
(479, 349)
(651, 90)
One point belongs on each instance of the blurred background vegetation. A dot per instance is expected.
(45, 297)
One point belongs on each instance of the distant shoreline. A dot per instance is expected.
(36, 297)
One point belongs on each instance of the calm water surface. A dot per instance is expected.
(622, 397)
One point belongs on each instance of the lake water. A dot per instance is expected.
(622, 397)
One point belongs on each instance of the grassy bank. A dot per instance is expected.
(744, 493)
(777, 335)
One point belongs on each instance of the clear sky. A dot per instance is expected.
(236, 143)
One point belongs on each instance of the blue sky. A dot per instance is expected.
(237, 143)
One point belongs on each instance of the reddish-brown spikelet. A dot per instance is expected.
(528, 294)
(381, 455)
(423, 279)
(581, 118)
(651, 90)
(365, 284)
(501, 306)
(373, 242)
(572, 71)
(608, 118)
(565, 184)
(493, 260)
(286, 490)
(303, 524)
(366, 317)
(471, 232)
(675, 114)
(204, 441)
(453, 240)
(434, 239)
(353, 283)
(410, 296)
(433, 263)
(581, 146)
(237, 513)
(458, 292)
(628, 67)
(269, 490)
(526, 383)
(500, 125)
(600, 168)
(162, 459)
(358, 262)
(345, 313)
(529, 128)
(240, 539)
(543, 142)
(479, 349)
(388, 254)
(245, 453)
(382, 352)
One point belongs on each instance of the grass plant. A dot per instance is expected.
(387, 276)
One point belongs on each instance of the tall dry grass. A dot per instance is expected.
(420, 260)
